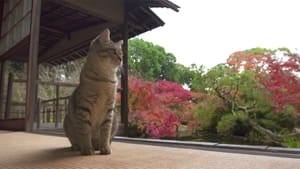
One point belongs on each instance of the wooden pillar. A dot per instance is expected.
(38, 115)
(57, 119)
(1, 62)
(1, 14)
(9, 96)
(1, 86)
(32, 68)
(124, 78)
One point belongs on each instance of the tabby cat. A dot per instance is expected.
(90, 122)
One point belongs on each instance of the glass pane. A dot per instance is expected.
(4, 27)
(26, 25)
(2, 47)
(11, 19)
(11, 4)
(14, 36)
(19, 11)
(5, 10)
(10, 36)
(4, 44)
(27, 6)
(19, 31)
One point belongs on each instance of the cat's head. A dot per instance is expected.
(107, 50)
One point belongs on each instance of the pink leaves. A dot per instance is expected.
(171, 93)
(155, 107)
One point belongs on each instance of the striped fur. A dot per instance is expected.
(90, 122)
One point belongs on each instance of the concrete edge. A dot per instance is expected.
(295, 151)
(209, 146)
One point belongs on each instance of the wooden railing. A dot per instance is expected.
(13, 109)
(52, 111)
(48, 112)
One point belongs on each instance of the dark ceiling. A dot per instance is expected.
(58, 21)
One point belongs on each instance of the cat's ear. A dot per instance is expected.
(119, 43)
(104, 36)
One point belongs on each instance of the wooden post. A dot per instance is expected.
(9, 96)
(124, 78)
(1, 87)
(48, 115)
(43, 112)
(66, 104)
(57, 119)
(1, 15)
(32, 69)
(38, 115)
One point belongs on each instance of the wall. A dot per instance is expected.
(16, 19)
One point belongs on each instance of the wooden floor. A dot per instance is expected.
(21, 150)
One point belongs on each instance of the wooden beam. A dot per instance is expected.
(124, 78)
(153, 16)
(78, 38)
(53, 30)
(107, 10)
(64, 84)
(32, 69)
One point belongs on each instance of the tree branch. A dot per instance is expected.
(265, 131)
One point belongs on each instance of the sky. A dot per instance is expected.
(206, 32)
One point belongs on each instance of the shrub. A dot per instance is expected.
(233, 124)
(157, 108)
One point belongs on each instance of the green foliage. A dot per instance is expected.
(284, 49)
(233, 124)
(259, 50)
(291, 142)
(243, 99)
(153, 63)
(209, 114)
(264, 51)
(208, 117)
(278, 122)
(18, 69)
(240, 87)
(205, 82)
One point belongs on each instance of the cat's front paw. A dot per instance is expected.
(105, 150)
(87, 151)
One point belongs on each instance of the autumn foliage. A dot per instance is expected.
(158, 108)
(282, 81)
(279, 73)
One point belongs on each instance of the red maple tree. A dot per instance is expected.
(279, 74)
(157, 108)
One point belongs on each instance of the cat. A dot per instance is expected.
(90, 122)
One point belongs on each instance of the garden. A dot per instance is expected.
(253, 98)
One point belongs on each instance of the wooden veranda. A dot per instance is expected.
(59, 31)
